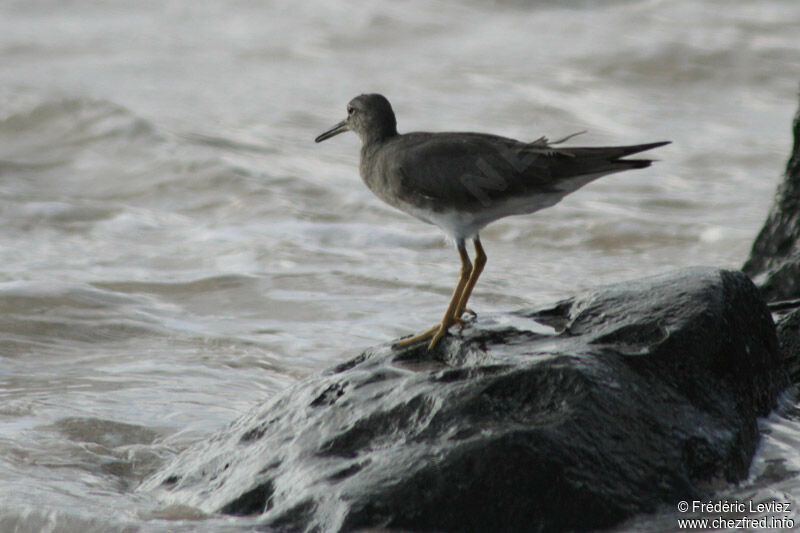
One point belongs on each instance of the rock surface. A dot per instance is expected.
(774, 261)
(789, 341)
(574, 417)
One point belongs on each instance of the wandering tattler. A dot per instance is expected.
(463, 181)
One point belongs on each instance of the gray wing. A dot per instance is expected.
(468, 170)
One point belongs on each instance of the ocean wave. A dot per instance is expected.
(37, 315)
(70, 123)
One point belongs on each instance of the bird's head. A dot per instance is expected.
(368, 115)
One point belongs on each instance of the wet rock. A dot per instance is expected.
(789, 341)
(572, 417)
(774, 261)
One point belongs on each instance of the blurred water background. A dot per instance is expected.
(174, 248)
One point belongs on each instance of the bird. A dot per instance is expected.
(463, 181)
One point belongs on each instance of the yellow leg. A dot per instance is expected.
(425, 335)
(480, 262)
(449, 318)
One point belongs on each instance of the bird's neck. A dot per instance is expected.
(379, 135)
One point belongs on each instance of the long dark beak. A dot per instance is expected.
(336, 130)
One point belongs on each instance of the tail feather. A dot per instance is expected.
(635, 149)
(609, 153)
(581, 161)
(636, 163)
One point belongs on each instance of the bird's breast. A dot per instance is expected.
(378, 176)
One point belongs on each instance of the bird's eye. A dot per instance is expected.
(350, 110)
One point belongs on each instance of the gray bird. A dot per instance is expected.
(463, 181)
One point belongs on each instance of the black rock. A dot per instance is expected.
(774, 261)
(634, 397)
(789, 341)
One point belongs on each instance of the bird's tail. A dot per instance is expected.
(613, 154)
(603, 159)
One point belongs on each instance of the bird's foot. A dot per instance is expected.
(425, 335)
(435, 334)
(438, 335)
